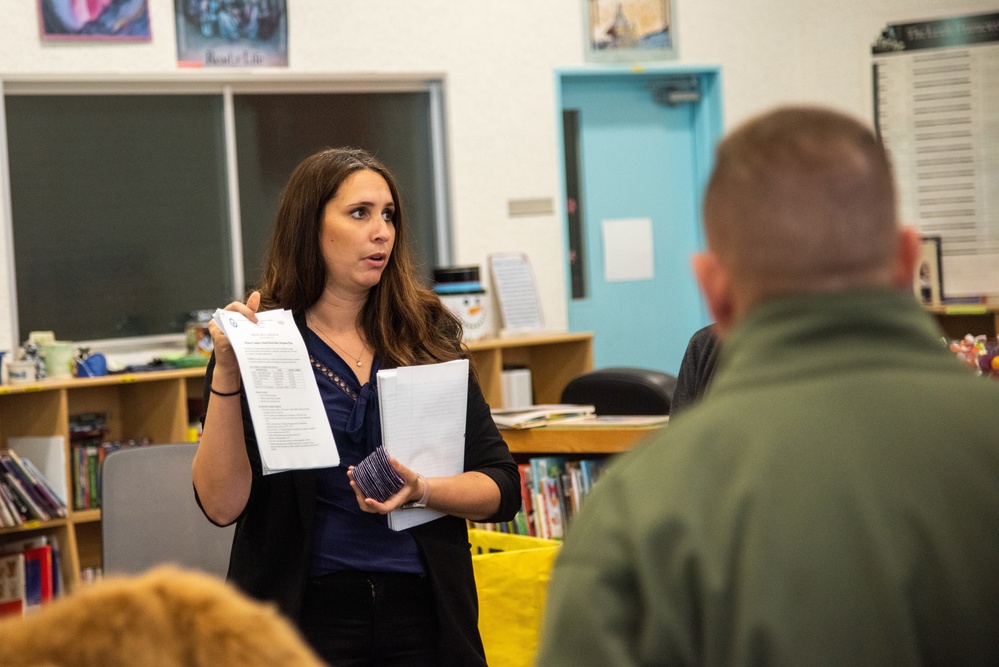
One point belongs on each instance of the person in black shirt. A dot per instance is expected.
(696, 369)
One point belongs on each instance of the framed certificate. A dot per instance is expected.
(927, 283)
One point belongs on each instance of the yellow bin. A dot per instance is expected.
(511, 575)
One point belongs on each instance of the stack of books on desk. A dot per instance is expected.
(541, 415)
(570, 416)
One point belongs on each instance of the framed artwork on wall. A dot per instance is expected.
(927, 283)
(94, 20)
(629, 30)
(231, 33)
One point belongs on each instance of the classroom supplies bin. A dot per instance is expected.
(511, 575)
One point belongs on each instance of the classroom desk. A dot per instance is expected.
(566, 439)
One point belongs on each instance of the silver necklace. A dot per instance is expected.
(330, 339)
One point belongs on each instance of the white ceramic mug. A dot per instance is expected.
(21, 372)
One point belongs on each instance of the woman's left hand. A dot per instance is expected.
(412, 490)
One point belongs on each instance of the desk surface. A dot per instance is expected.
(581, 440)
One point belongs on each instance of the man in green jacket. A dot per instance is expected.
(834, 498)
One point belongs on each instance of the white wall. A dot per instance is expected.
(498, 57)
(777, 51)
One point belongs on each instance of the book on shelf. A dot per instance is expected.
(35, 559)
(13, 596)
(527, 500)
(573, 484)
(58, 584)
(520, 524)
(14, 503)
(552, 512)
(88, 427)
(86, 433)
(37, 576)
(86, 463)
(29, 507)
(540, 415)
(553, 489)
(25, 493)
(45, 456)
(546, 475)
(9, 516)
(54, 498)
(33, 482)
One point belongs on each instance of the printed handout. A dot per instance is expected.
(289, 418)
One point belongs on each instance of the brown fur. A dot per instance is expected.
(165, 618)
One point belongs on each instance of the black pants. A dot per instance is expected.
(369, 619)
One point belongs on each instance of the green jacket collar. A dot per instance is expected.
(815, 333)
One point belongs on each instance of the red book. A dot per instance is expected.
(527, 497)
(38, 575)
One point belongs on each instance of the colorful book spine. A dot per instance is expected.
(35, 511)
(93, 468)
(544, 525)
(17, 505)
(527, 499)
(8, 511)
(553, 489)
(546, 466)
(13, 597)
(59, 502)
(34, 483)
(58, 585)
(575, 484)
(37, 576)
(79, 478)
(520, 524)
(552, 497)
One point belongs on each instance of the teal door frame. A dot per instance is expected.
(632, 325)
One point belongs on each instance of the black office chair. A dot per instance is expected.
(623, 391)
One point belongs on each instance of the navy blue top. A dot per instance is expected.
(347, 538)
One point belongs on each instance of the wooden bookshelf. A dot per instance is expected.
(959, 320)
(154, 405)
(575, 442)
(150, 405)
(554, 360)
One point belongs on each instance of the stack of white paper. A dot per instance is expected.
(423, 424)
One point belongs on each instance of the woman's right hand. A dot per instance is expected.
(225, 357)
(221, 469)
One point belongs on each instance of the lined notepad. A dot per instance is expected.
(423, 424)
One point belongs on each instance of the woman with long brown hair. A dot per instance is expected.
(361, 593)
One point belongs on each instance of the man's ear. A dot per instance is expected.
(716, 286)
(907, 257)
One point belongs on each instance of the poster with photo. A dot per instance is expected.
(95, 20)
(927, 283)
(629, 30)
(232, 33)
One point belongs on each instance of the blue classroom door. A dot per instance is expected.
(640, 159)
